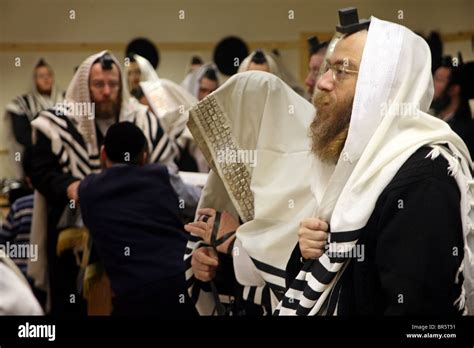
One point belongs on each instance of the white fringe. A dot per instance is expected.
(433, 153)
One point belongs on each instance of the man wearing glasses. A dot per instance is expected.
(391, 232)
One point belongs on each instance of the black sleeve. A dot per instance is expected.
(21, 129)
(419, 248)
(46, 173)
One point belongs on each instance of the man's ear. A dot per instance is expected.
(144, 158)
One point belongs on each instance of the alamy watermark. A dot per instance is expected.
(79, 109)
(404, 109)
(20, 251)
(345, 250)
(229, 156)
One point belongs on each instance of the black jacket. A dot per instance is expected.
(413, 246)
(132, 213)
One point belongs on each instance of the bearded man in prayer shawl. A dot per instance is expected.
(392, 186)
(253, 131)
(66, 143)
(22, 110)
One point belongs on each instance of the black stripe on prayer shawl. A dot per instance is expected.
(344, 237)
(194, 238)
(269, 269)
(75, 150)
(290, 303)
(70, 129)
(298, 284)
(152, 139)
(166, 146)
(320, 273)
(52, 114)
(266, 297)
(251, 295)
(278, 290)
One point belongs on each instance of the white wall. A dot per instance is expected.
(118, 21)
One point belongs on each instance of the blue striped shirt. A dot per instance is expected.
(16, 228)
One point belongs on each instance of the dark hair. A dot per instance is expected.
(125, 143)
(41, 63)
(131, 57)
(210, 74)
(259, 57)
(314, 46)
(106, 61)
(196, 60)
(137, 92)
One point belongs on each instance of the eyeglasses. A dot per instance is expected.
(113, 85)
(339, 71)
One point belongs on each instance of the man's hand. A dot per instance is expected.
(312, 237)
(72, 191)
(204, 229)
(204, 263)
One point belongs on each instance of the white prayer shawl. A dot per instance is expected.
(17, 297)
(73, 140)
(258, 113)
(27, 105)
(276, 67)
(272, 65)
(170, 102)
(147, 72)
(192, 80)
(389, 123)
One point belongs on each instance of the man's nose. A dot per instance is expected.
(326, 81)
(106, 90)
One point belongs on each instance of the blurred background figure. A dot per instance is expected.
(317, 51)
(43, 94)
(202, 81)
(451, 98)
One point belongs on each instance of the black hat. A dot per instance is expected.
(468, 71)
(225, 53)
(145, 48)
(124, 142)
(350, 22)
(462, 74)
(314, 45)
(436, 48)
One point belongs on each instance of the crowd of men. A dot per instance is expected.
(352, 197)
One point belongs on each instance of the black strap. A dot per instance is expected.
(224, 238)
(231, 246)
(215, 229)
